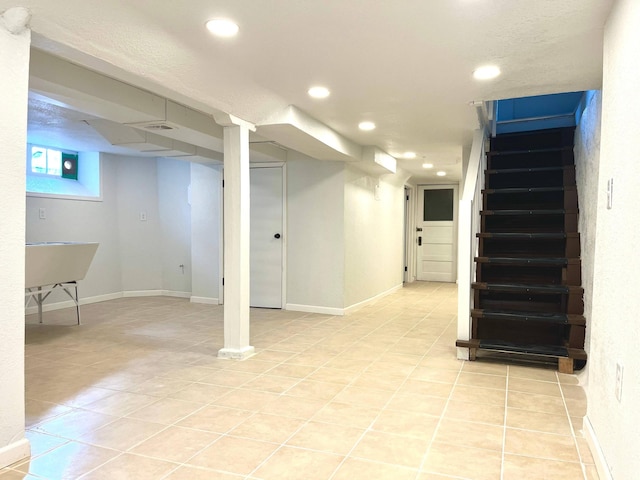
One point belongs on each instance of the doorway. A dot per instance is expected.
(436, 227)
(267, 236)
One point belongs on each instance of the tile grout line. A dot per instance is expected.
(573, 433)
(369, 428)
(504, 428)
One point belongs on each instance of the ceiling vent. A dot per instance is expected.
(154, 126)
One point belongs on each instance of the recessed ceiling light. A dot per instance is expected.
(486, 73)
(319, 92)
(366, 125)
(222, 27)
(427, 165)
(441, 173)
(409, 154)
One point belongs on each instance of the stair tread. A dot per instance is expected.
(531, 349)
(491, 191)
(562, 318)
(525, 151)
(556, 351)
(525, 260)
(531, 235)
(551, 211)
(526, 287)
(527, 169)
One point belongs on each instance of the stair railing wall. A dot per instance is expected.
(468, 226)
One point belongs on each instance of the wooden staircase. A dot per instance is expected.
(528, 298)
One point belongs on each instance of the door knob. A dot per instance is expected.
(277, 235)
(419, 241)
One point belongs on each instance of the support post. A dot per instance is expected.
(236, 241)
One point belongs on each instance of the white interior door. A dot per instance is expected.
(436, 233)
(266, 237)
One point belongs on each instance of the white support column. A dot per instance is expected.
(15, 40)
(236, 240)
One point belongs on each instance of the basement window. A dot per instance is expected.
(58, 173)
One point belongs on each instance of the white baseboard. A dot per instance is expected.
(206, 300)
(49, 307)
(339, 311)
(314, 309)
(596, 450)
(142, 293)
(371, 300)
(175, 294)
(14, 452)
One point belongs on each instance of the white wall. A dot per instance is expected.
(174, 177)
(84, 221)
(206, 196)
(615, 328)
(315, 231)
(373, 232)
(587, 158)
(133, 255)
(14, 52)
(140, 241)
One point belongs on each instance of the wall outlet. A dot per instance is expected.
(619, 372)
(143, 216)
(42, 213)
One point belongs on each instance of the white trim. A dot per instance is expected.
(142, 293)
(237, 353)
(356, 306)
(49, 307)
(596, 450)
(176, 294)
(314, 309)
(14, 452)
(205, 300)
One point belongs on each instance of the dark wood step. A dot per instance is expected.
(567, 358)
(526, 288)
(554, 261)
(529, 221)
(529, 244)
(533, 140)
(557, 318)
(539, 158)
(530, 177)
(530, 198)
(529, 274)
(517, 213)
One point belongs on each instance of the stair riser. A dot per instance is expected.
(527, 274)
(569, 247)
(570, 303)
(558, 158)
(567, 200)
(519, 332)
(532, 141)
(567, 223)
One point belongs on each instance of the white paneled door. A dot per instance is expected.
(436, 233)
(266, 237)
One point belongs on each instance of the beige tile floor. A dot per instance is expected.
(136, 392)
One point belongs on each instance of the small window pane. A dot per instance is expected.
(438, 205)
(38, 160)
(54, 162)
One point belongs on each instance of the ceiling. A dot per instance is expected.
(404, 64)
